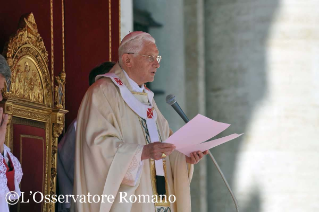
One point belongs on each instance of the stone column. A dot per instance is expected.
(195, 88)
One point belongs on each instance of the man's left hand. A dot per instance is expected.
(195, 157)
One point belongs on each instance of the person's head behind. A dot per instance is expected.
(138, 56)
(101, 69)
(5, 73)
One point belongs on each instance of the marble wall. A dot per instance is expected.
(262, 69)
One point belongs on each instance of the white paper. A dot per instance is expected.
(196, 131)
(207, 145)
(192, 136)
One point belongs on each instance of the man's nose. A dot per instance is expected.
(156, 64)
(1, 96)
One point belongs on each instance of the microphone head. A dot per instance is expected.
(170, 99)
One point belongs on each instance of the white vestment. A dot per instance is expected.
(4, 190)
(110, 138)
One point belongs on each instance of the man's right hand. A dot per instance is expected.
(155, 150)
(3, 129)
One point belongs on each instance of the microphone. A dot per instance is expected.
(170, 99)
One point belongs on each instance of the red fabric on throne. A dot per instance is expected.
(29, 146)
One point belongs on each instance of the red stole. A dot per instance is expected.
(9, 174)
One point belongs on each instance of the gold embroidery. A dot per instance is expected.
(139, 93)
(161, 201)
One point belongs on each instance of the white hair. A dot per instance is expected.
(134, 44)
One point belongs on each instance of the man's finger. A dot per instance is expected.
(167, 153)
(169, 148)
(200, 154)
(160, 155)
(165, 145)
(193, 157)
(196, 156)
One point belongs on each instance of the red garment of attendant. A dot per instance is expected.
(10, 174)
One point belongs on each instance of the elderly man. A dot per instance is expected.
(10, 168)
(121, 162)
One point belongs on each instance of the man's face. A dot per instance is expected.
(143, 70)
(2, 81)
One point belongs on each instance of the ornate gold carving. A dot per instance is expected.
(58, 124)
(30, 114)
(28, 122)
(58, 116)
(7, 107)
(28, 60)
(29, 96)
(26, 34)
(59, 91)
(53, 173)
(57, 130)
(26, 82)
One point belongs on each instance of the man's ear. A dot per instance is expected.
(126, 59)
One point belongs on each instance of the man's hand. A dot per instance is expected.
(195, 157)
(155, 150)
(3, 128)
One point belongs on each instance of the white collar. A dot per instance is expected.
(133, 84)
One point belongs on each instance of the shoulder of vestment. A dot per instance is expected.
(104, 86)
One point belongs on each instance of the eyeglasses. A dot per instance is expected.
(150, 57)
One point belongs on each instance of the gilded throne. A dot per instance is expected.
(35, 104)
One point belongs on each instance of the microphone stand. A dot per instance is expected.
(225, 181)
(220, 172)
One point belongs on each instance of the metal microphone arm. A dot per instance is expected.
(225, 181)
(170, 99)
